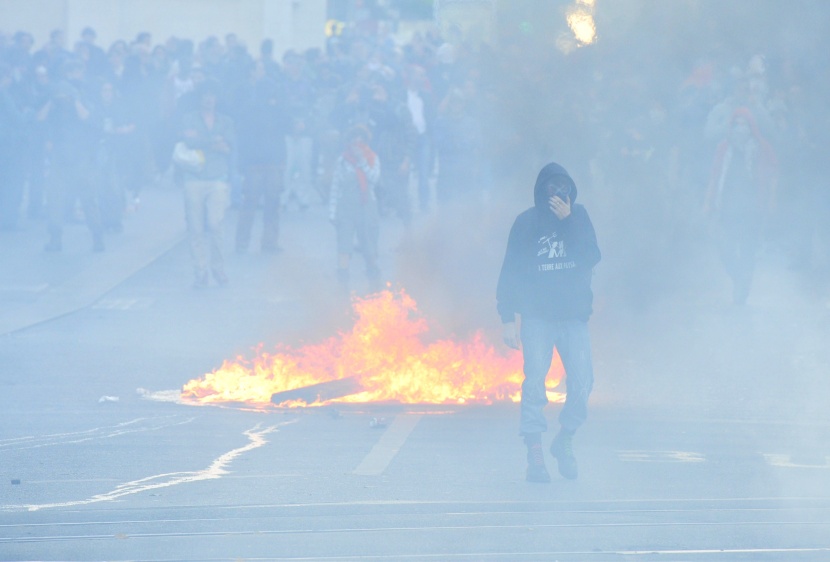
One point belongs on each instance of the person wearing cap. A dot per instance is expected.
(545, 282)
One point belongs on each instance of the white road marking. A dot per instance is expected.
(388, 445)
(474, 528)
(786, 461)
(216, 470)
(124, 304)
(137, 425)
(661, 456)
(724, 551)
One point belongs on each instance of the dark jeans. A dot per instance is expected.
(263, 185)
(70, 181)
(738, 247)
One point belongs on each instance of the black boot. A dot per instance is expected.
(562, 449)
(536, 469)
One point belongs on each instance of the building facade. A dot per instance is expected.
(291, 24)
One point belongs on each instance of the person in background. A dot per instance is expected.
(13, 136)
(741, 197)
(393, 137)
(117, 141)
(206, 188)
(263, 125)
(545, 280)
(300, 168)
(353, 207)
(457, 140)
(53, 55)
(97, 63)
(421, 104)
(73, 138)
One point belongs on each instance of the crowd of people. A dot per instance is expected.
(83, 130)
(371, 127)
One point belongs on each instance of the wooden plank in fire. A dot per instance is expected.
(320, 392)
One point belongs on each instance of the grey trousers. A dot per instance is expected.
(205, 205)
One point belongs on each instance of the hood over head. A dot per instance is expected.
(552, 177)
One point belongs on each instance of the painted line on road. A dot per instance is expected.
(342, 516)
(726, 551)
(137, 425)
(138, 303)
(661, 456)
(437, 528)
(388, 445)
(786, 461)
(256, 437)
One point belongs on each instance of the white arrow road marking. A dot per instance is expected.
(256, 436)
(388, 445)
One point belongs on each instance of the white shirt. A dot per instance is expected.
(416, 108)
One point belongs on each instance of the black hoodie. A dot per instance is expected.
(549, 262)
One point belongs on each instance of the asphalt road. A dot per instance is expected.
(709, 436)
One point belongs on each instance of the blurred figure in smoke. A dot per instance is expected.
(741, 193)
(353, 205)
(263, 125)
(115, 145)
(299, 165)
(97, 63)
(13, 132)
(393, 138)
(421, 104)
(207, 188)
(73, 138)
(457, 138)
(546, 280)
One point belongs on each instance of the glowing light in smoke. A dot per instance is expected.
(583, 29)
(387, 358)
(581, 22)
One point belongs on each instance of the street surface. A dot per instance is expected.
(709, 436)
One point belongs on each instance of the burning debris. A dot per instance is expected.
(384, 358)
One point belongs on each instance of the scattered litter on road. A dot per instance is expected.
(378, 423)
(161, 395)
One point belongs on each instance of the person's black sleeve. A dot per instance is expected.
(508, 286)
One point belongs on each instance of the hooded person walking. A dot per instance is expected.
(545, 283)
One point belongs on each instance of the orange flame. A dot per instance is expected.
(387, 357)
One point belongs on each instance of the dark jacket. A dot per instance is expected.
(263, 125)
(549, 262)
(217, 165)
